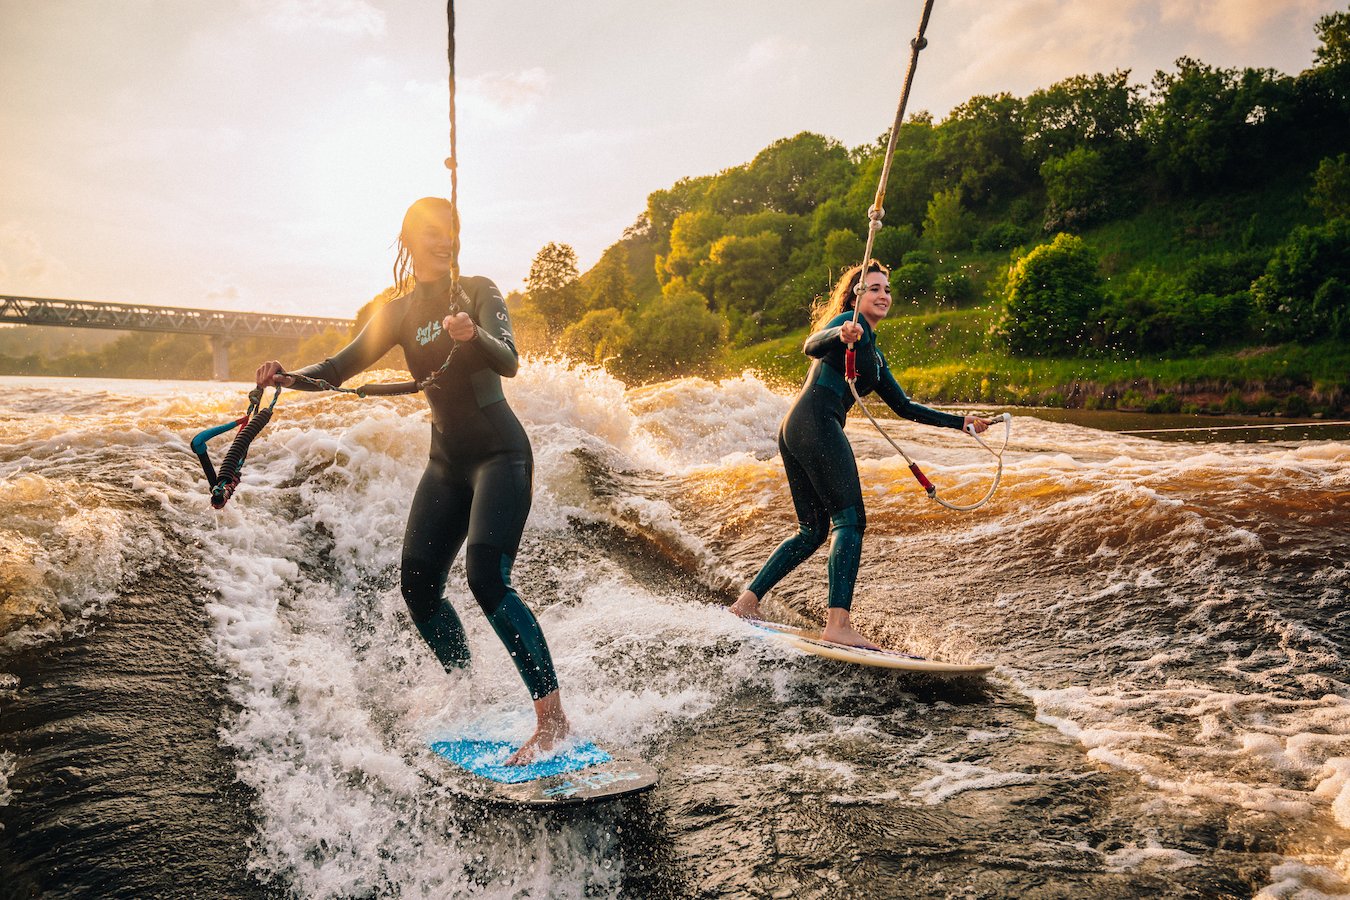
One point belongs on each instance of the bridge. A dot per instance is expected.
(218, 324)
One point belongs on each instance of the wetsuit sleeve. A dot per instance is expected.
(818, 344)
(889, 390)
(827, 339)
(494, 339)
(375, 340)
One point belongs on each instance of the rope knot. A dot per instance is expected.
(918, 43)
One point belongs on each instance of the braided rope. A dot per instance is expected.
(875, 214)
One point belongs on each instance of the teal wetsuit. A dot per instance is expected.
(821, 471)
(477, 483)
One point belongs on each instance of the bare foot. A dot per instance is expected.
(550, 729)
(746, 606)
(839, 630)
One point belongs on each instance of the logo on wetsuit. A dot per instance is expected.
(429, 332)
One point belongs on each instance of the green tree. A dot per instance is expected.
(1333, 30)
(1101, 112)
(691, 239)
(843, 248)
(599, 335)
(947, 225)
(552, 287)
(793, 230)
(914, 171)
(979, 148)
(673, 335)
(797, 174)
(740, 275)
(1209, 127)
(1051, 298)
(1078, 188)
(664, 207)
(833, 215)
(609, 284)
(1331, 187)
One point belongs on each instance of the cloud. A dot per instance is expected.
(497, 98)
(356, 17)
(1038, 42)
(766, 54)
(1239, 22)
(25, 266)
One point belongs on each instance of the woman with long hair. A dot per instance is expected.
(476, 487)
(821, 470)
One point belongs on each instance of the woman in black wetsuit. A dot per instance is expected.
(821, 471)
(476, 486)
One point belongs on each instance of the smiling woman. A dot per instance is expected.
(475, 493)
(821, 470)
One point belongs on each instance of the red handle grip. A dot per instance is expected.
(923, 479)
(850, 365)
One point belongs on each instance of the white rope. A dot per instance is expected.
(875, 214)
(969, 429)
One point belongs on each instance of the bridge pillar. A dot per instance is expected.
(220, 357)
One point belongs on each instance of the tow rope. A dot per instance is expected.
(875, 214)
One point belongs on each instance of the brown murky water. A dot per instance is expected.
(200, 703)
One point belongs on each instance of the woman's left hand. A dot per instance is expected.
(977, 423)
(460, 327)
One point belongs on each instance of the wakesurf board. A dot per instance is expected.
(580, 773)
(811, 642)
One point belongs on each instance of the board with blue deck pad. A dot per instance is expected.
(581, 773)
(811, 642)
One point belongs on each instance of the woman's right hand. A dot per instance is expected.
(850, 332)
(273, 374)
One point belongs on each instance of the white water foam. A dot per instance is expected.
(337, 693)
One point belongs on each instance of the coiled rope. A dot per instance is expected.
(875, 214)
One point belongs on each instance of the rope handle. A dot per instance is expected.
(224, 482)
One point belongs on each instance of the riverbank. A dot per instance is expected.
(949, 357)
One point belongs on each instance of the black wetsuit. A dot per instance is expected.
(477, 483)
(821, 470)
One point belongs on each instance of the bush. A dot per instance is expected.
(953, 287)
(1225, 273)
(1051, 296)
(1295, 405)
(999, 236)
(597, 336)
(1152, 313)
(912, 281)
(1303, 296)
(1163, 403)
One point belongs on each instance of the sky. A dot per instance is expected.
(259, 154)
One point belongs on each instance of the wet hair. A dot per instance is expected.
(403, 265)
(843, 297)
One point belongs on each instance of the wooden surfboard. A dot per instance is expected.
(811, 642)
(582, 773)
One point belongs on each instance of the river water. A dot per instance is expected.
(201, 704)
